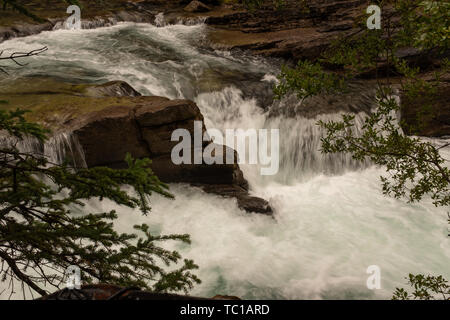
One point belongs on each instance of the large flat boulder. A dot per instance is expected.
(197, 6)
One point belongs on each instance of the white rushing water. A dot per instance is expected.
(331, 220)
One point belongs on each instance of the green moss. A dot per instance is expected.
(54, 102)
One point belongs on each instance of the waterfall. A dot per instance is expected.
(300, 146)
(300, 152)
(331, 219)
(65, 147)
(58, 149)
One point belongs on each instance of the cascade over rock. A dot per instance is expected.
(144, 129)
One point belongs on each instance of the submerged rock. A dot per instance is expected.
(112, 89)
(197, 6)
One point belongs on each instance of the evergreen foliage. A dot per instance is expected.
(425, 288)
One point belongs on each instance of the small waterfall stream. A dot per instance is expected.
(58, 149)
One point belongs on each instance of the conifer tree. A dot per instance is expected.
(41, 235)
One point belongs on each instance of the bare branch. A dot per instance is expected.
(18, 273)
(16, 55)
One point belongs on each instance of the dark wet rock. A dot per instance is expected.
(254, 204)
(197, 6)
(107, 135)
(359, 97)
(427, 115)
(22, 30)
(160, 111)
(293, 32)
(261, 91)
(240, 192)
(113, 292)
(112, 119)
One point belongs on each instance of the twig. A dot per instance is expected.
(15, 55)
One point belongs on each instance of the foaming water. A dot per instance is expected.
(325, 234)
(58, 149)
(331, 219)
